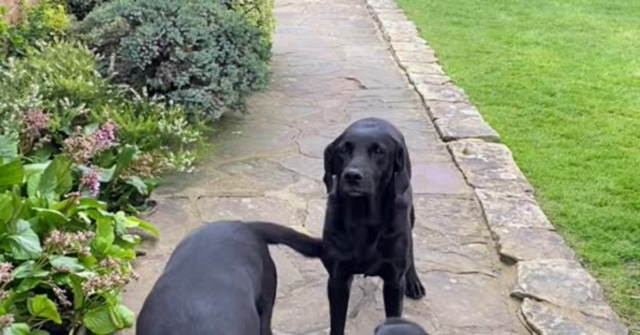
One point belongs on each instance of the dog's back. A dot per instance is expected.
(221, 280)
(211, 284)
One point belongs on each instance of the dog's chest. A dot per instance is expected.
(365, 249)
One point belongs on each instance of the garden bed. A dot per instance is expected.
(100, 100)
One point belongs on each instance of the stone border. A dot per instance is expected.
(558, 295)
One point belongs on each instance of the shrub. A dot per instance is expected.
(81, 8)
(54, 100)
(64, 258)
(195, 53)
(258, 12)
(61, 78)
(4, 34)
(44, 21)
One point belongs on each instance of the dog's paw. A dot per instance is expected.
(414, 288)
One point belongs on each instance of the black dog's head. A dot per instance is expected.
(399, 326)
(368, 156)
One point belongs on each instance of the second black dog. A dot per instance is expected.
(221, 280)
(369, 217)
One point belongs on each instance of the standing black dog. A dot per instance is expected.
(369, 217)
(399, 326)
(221, 280)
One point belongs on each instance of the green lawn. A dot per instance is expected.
(560, 81)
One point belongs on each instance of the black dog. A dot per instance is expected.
(221, 280)
(369, 217)
(399, 326)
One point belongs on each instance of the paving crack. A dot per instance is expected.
(463, 273)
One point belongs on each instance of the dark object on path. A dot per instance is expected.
(221, 280)
(369, 217)
(399, 326)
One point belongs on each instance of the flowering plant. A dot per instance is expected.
(55, 101)
(64, 258)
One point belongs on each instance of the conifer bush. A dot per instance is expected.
(197, 53)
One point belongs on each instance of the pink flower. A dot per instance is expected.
(6, 321)
(82, 148)
(5, 272)
(61, 295)
(68, 242)
(91, 180)
(107, 133)
(35, 121)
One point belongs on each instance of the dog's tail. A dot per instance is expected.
(273, 233)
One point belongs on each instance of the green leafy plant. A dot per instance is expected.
(55, 100)
(196, 53)
(64, 258)
(43, 21)
(258, 12)
(4, 34)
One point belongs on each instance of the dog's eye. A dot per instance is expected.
(378, 151)
(344, 149)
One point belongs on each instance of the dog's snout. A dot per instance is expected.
(353, 176)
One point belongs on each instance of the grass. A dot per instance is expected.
(560, 81)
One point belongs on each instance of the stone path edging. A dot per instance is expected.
(559, 296)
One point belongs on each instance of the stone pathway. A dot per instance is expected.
(332, 66)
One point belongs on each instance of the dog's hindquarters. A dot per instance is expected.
(219, 280)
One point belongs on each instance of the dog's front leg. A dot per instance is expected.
(338, 291)
(393, 294)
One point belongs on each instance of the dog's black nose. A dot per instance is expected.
(353, 176)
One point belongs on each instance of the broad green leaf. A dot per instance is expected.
(39, 332)
(122, 223)
(99, 321)
(122, 317)
(27, 285)
(115, 250)
(59, 206)
(42, 307)
(51, 217)
(56, 179)
(33, 183)
(64, 262)
(6, 208)
(86, 274)
(11, 174)
(24, 270)
(106, 175)
(84, 217)
(8, 148)
(29, 269)
(91, 203)
(104, 235)
(145, 225)
(35, 169)
(39, 226)
(24, 243)
(129, 238)
(17, 329)
(78, 292)
(139, 184)
(90, 128)
(126, 155)
(121, 253)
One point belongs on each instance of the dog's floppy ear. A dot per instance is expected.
(329, 166)
(401, 174)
